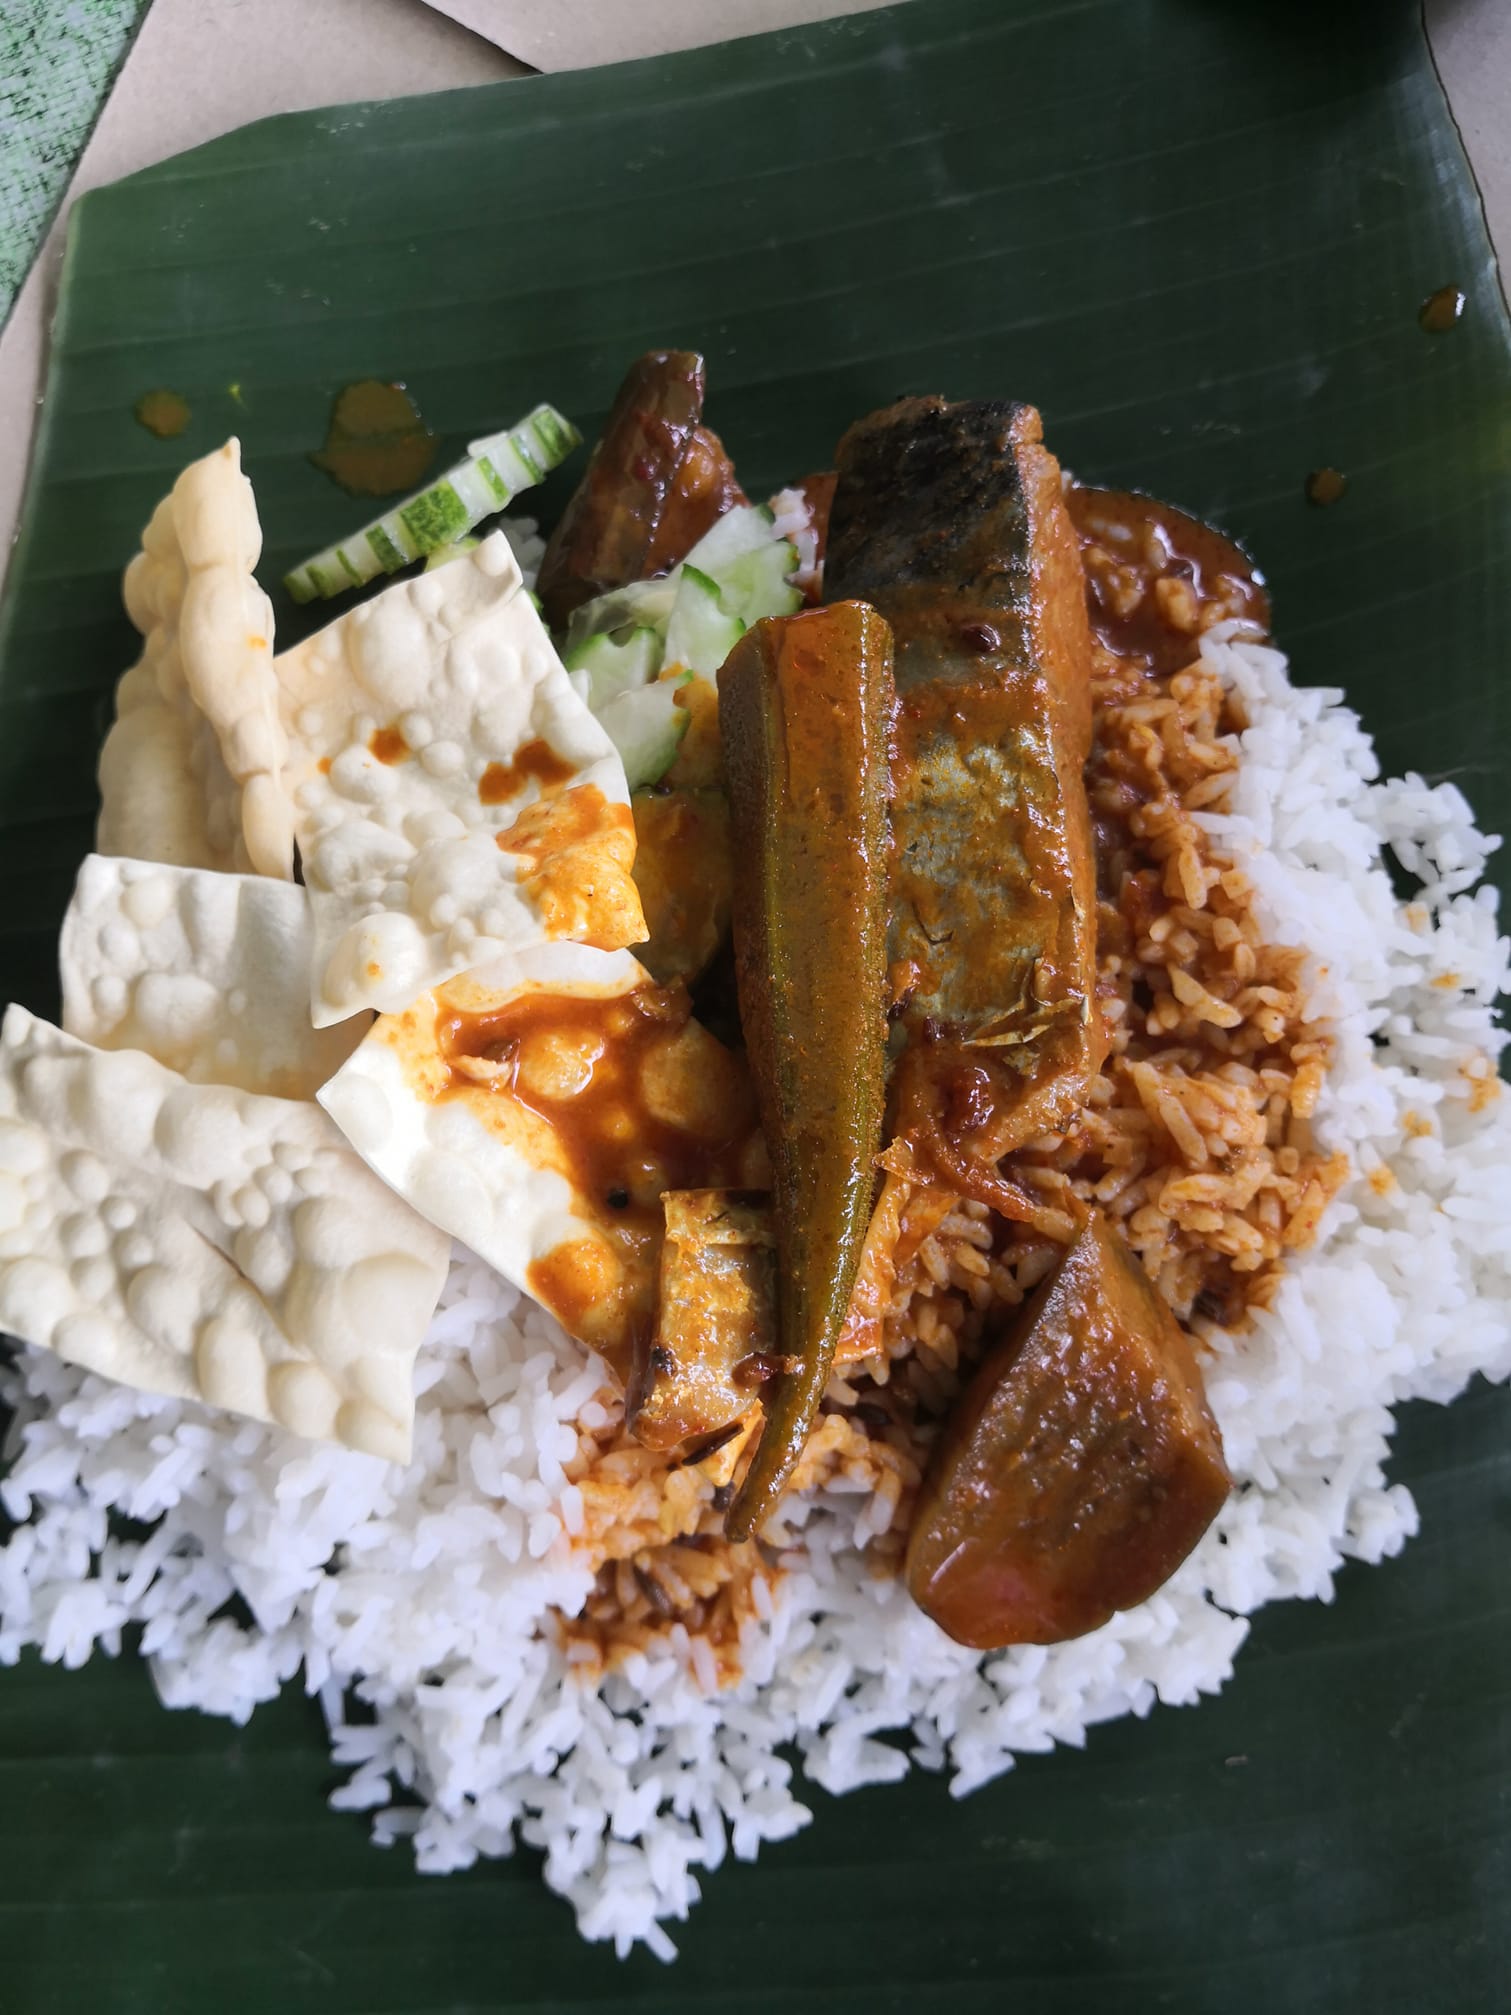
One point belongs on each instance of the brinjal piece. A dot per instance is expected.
(950, 520)
(805, 705)
(716, 1319)
(657, 480)
(1079, 1467)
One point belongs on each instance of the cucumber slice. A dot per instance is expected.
(646, 726)
(443, 555)
(745, 529)
(616, 664)
(642, 603)
(741, 554)
(700, 632)
(751, 563)
(756, 584)
(498, 467)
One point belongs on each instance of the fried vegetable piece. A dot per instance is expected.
(805, 706)
(1080, 1466)
(950, 520)
(682, 870)
(703, 1370)
(657, 480)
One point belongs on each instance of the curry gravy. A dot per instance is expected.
(638, 1100)
(1153, 573)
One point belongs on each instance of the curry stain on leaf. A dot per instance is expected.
(377, 444)
(1325, 486)
(1441, 311)
(163, 413)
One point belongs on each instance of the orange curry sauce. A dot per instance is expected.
(537, 761)
(639, 1100)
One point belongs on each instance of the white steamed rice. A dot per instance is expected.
(417, 1593)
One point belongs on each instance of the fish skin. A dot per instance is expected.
(950, 520)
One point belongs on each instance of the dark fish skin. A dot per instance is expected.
(656, 481)
(950, 520)
(935, 493)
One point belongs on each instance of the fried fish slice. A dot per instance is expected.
(715, 1319)
(950, 520)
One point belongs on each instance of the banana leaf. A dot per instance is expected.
(1197, 235)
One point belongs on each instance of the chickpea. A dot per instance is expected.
(558, 1063)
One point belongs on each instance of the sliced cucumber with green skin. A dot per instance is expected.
(498, 467)
(444, 555)
(744, 529)
(751, 564)
(700, 632)
(643, 603)
(756, 584)
(616, 664)
(740, 554)
(646, 726)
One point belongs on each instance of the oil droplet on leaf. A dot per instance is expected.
(1441, 311)
(1325, 486)
(162, 413)
(377, 443)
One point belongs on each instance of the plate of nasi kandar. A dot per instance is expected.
(751, 1045)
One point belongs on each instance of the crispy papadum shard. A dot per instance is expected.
(207, 1243)
(192, 770)
(656, 482)
(209, 973)
(950, 519)
(1079, 1467)
(537, 1110)
(701, 1372)
(805, 706)
(455, 799)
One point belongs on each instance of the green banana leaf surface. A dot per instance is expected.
(1197, 235)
